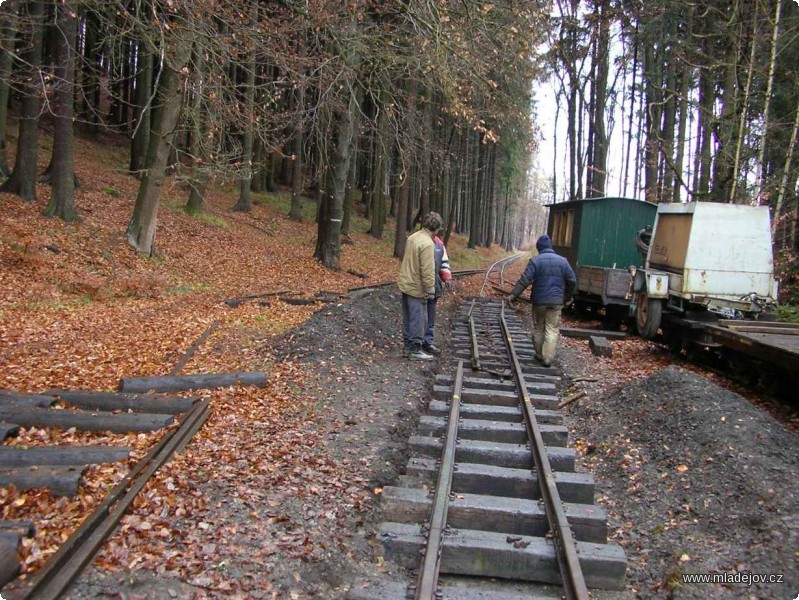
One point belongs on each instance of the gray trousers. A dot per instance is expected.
(414, 316)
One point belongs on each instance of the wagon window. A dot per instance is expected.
(562, 228)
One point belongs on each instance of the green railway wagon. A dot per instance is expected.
(598, 237)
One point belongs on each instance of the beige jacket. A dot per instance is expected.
(417, 276)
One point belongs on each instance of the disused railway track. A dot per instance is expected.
(491, 490)
(32, 467)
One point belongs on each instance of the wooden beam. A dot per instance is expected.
(753, 328)
(584, 334)
(9, 562)
(9, 399)
(61, 455)
(60, 480)
(181, 383)
(110, 401)
(85, 420)
(193, 348)
(8, 430)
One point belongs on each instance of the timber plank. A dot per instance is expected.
(511, 414)
(8, 430)
(493, 431)
(487, 554)
(60, 480)
(84, 420)
(9, 562)
(488, 589)
(23, 528)
(514, 456)
(110, 401)
(10, 399)
(61, 455)
(181, 383)
(584, 334)
(489, 480)
(518, 516)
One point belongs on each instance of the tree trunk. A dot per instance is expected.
(23, 179)
(295, 213)
(492, 205)
(744, 110)
(198, 180)
(685, 81)
(142, 112)
(669, 125)
(725, 129)
(767, 100)
(706, 101)
(352, 185)
(329, 236)
(7, 39)
(379, 200)
(775, 221)
(244, 203)
(405, 158)
(475, 181)
(600, 147)
(653, 118)
(142, 225)
(632, 110)
(92, 57)
(62, 197)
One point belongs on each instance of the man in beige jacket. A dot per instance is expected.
(417, 282)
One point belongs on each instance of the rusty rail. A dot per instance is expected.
(574, 586)
(52, 580)
(427, 583)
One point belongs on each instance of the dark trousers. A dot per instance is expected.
(413, 321)
(431, 322)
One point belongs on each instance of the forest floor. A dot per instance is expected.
(277, 496)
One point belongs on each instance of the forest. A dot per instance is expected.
(402, 107)
(704, 96)
(396, 108)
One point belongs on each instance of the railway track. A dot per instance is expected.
(495, 274)
(491, 503)
(53, 579)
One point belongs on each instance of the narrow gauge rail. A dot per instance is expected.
(498, 268)
(507, 503)
(57, 574)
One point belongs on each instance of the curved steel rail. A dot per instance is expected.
(571, 573)
(502, 263)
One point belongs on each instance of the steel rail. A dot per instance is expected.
(506, 260)
(473, 340)
(51, 581)
(427, 582)
(565, 550)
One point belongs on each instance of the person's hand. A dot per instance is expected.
(431, 297)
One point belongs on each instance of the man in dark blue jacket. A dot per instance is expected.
(553, 282)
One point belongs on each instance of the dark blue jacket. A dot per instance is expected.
(552, 278)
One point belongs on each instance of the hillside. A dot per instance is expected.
(80, 309)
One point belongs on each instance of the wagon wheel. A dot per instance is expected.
(647, 315)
